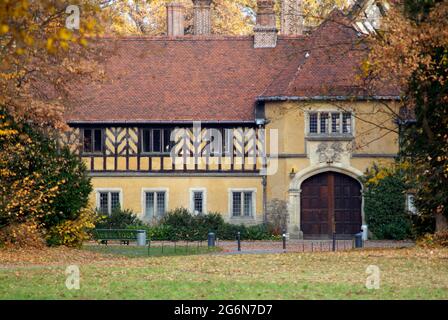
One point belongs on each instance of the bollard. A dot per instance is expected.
(358, 240)
(284, 240)
(334, 241)
(238, 238)
(211, 239)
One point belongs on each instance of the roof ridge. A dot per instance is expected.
(195, 38)
(170, 38)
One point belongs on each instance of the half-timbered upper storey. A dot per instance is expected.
(227, 123)
(157, 90)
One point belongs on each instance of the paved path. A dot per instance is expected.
(230, 247)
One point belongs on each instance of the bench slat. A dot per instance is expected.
(115, 234)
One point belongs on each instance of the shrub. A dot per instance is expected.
(180, 224)
(384, 203)
(42, 184)
(438, 239)
(277, 215)
(119, 219)
(72, 233)
(228, 231)
(25, 234)
(257, 232)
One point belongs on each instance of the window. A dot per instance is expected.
(313, 123)
(156, 140)
(198, 201)
(242, 203)
(335, 122)
(108, 201)
(346, 123)
(330, 123)
(227, 141)
(247, 204)
(155, 204)
(93, 140)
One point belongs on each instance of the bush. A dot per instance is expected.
(277, 215)
(438, 239)
(72, 233)
(43, 185)
(384, 203)
(25, 234)
(180, 224)
(119, 219)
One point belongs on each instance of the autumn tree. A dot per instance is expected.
(40, 56)
(231, 17)
(44, 188)
(43, 51)
(412, 51)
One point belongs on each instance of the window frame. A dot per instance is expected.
(98, 191)
(93, 152)
(151, 142)
(329, 128)
(253, 191)
(204, 200)
(143, 201)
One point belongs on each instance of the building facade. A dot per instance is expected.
(226, 124)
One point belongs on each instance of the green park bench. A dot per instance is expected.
(122, 235)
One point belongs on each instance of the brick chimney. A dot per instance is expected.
(202, 17)
(291, 17)
(265, 30)
(174, 19)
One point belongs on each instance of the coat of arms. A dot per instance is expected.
(329, 153)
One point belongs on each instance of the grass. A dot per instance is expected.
(169, 249)
(405, 274)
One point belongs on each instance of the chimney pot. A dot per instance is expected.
(202, 17)
(291, 17)
(175, 19)
(265, 31)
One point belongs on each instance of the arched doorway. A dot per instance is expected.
(330, 202)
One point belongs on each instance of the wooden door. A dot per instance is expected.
(347, 205)
(330, 202)
(315, 206)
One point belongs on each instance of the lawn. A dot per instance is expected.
(167, 249)
(411, 273)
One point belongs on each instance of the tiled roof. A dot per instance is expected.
(215, 78)
(331, 68)
(183, 79)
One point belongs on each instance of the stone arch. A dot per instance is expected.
(295, 192)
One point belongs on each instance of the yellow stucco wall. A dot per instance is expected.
(178, 188)
(371, 143)
(372, 124)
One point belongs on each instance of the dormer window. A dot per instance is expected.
(330, 123)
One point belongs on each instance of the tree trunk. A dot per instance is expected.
(441, 221)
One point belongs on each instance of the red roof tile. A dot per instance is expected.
(331, 66)
(216, 79)
(184, 79)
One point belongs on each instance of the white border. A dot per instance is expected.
(326, 110)
(143, 199)
(97, 195)
(254, 203)
(204, 199)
